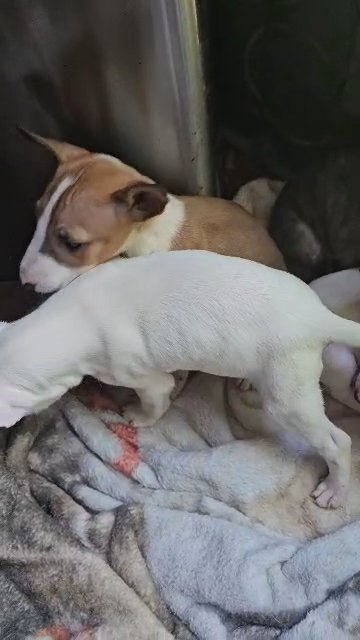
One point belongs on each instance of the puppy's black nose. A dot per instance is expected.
(28, 287)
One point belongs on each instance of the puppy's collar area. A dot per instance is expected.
(157, 234)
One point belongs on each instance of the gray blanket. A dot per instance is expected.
(195, 528)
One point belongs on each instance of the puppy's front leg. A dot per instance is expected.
(154, 400)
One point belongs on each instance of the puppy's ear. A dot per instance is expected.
(9, 416)
(63, 151)
(142, 200)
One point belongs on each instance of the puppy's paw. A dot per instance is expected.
(243, 385)
(134, 416)
(248, 396)
(327, 495)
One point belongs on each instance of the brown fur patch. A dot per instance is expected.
(225, 227)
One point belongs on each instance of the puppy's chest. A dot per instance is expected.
(149, 242)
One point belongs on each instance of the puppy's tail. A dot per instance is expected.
(342, 330)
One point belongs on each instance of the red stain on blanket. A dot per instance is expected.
(125, 432)
(129, 460)
(95, 398)
(131, 456)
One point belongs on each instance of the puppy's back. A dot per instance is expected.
(182, 298)
(225, 227)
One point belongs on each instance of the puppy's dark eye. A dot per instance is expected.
(73, 246)
(66, 241)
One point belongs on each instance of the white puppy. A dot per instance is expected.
(132, 323)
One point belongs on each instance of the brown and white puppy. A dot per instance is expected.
(96, 208)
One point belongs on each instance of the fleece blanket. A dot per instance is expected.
(195, 528)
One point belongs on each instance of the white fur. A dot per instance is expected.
(158, 233)
(37, 268)
(48, 275)
(131, 323)
(258, 197)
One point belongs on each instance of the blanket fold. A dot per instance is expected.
(195, 528)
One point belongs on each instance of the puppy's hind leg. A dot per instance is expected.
(340, 376)
(154, 400)
(292, 400)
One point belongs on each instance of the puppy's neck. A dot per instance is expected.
(156, 234)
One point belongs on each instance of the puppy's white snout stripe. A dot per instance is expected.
(32, 252)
